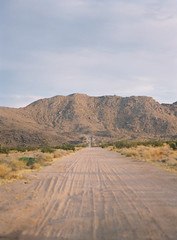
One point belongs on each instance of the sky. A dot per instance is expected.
(96, 47)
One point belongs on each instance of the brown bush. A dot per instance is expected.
(4, 169)
(56, 155)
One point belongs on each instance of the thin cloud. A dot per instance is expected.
(96, 47)
(18, 101)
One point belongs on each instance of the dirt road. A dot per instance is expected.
(91, 195)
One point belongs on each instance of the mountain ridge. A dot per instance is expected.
(72, 118)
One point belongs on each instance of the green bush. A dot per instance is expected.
(105, 145)
(153, 143)
(29, 161)
(66, 147)
(130, 144)
(83, 145)
(24, 149)
(32, 148)
(173, 145)
(47, 150)
(20, 149)
(4, 150)
(125, 144)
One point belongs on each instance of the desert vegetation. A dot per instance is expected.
(161, 153)
(14, 162)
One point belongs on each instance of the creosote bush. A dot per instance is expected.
(4, 150)
(29, 161)
(134, 144)
(66, 147)
(44, 149)
(173, 145)
(48, 150)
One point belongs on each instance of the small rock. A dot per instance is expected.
(163, 160)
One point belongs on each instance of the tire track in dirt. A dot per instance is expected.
(94, 195)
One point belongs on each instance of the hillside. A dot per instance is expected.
(72, 118)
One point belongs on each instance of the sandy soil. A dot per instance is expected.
(94, 194)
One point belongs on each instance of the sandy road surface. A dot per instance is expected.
(91, 195)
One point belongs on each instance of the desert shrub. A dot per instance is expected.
(131, 154)
(104, 145)
(36, 166)
(4, 170)
(66, 147)
(153, 143)
(48, 158)
(32, 148)
(4, 150)
(133, 144)
(20, 149)
(47, 150)
(56, 155)
(17, 164)
(24, 149)
(173, 145)
(83, 145)
(125, 144)
(149, 152)
(35, 163)
(11, 175)
(108, 144)
(28, 160)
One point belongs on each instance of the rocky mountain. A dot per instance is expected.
(73, 118)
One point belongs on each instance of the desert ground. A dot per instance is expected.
(94, 194)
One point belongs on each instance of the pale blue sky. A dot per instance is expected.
(97, 47)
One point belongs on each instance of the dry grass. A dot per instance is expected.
(48, 157)
(56, 155)
(162, 156)
(36, 166)
(15, 164)
(4, 169)
(8, 174)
